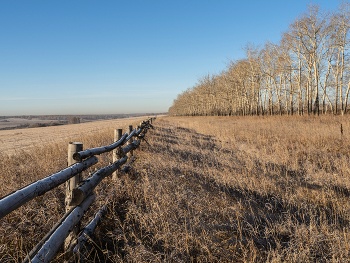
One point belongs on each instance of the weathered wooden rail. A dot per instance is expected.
(79, 193)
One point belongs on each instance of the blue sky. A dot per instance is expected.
(110, 57)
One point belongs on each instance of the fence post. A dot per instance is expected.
(142, 126)
(130, 154)
(73, 147)
(118, 133)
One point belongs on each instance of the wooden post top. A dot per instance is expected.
(75, 143)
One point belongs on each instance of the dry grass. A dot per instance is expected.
(12, 142)
(44, 153)
(210, 189)
(14, 122)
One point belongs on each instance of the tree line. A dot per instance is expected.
(307, 72)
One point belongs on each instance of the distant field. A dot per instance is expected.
(15, 122)
(12, 141)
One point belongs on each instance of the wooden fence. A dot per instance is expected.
(79, 193)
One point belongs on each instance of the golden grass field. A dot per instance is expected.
(15, 122)
(12, 141)
(206, 189)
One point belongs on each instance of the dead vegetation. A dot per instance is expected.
(208, 189)
(12, 142)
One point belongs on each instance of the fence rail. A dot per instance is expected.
(18, 198)
(79, 193)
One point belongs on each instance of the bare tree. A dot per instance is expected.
(308, 67)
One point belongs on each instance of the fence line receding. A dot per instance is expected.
(79, 193)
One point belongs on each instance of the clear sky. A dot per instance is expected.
(111, 56)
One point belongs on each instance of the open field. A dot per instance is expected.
(43, 155)
(206, 189)
(240, 189)
(15, 122)
(12, 141)
(24, 121)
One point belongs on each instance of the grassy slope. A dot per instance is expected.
(222, 189)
